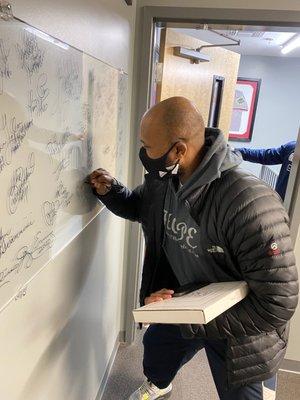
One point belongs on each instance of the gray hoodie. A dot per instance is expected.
(218, 158)
(182, 237)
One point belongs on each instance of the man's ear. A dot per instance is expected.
(181, 149)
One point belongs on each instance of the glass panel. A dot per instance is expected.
(62, 114)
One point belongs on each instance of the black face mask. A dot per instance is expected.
(156, 165)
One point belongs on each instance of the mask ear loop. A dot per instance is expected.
(172, 167)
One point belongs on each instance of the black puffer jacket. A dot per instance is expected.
(239, 213)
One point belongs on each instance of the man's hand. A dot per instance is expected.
(101, 180)
(162, 294)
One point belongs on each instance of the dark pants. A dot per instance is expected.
(166, 351)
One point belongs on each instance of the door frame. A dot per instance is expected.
(292, 198)
(178, 17)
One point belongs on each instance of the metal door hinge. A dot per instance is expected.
(158, 72)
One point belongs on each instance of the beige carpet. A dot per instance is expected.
(194, 381)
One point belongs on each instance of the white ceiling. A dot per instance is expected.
(258, 43)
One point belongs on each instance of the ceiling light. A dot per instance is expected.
(233, 32)
(291, 45)
(283, 37)
(258, 34)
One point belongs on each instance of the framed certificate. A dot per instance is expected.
(244, 109)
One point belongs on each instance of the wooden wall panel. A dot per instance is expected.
(194, 81)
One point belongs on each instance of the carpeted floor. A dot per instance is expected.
(194, 381)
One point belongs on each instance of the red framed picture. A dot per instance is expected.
(244, 109)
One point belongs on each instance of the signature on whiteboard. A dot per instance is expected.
(19, 187)
(26, 255)
(14, 132)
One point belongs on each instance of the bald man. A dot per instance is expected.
(206, 220)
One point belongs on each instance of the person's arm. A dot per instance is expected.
(258, 236)
(120, 200)
(270, 156)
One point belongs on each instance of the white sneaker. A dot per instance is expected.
(148, 391)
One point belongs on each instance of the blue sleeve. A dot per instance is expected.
(263, 156)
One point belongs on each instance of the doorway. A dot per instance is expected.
(153, 25)
(242, 81)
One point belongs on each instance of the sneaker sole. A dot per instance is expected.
(165, 396)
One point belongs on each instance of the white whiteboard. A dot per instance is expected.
(62, 114)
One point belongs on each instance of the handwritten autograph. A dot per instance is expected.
(70, 78)
(37, 99)
(26, 256)
(62, 165)
(15, 133)
(56, 145)
(20, 184)
(7, 239)
(5, 72)
(51, 208)
(31, 56)
(90, 153)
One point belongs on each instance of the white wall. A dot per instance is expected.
(102, 28)
(56, 342)
(277, 118)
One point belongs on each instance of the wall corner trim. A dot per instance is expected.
(119, 339)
